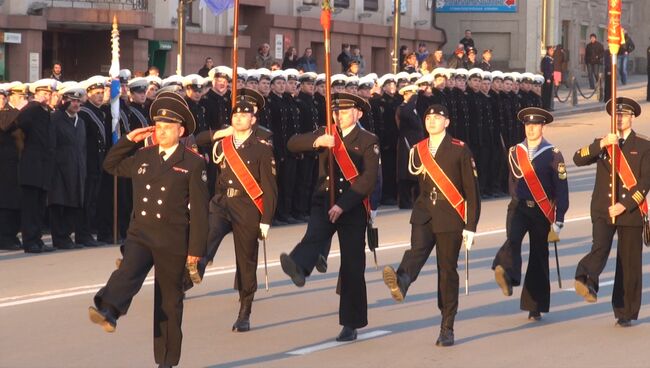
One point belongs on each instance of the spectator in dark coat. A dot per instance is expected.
(547, 69)
(209, 64)
(594, 53)
(468, 41)
(307, 63)
(290, 60)
(344, 57)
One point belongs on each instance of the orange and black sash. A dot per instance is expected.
(441, 179)
(534, 185)
(346, 164)
(627, 176)
(244, 176)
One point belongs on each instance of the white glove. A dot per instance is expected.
(373, 216)
(468, 239)
(264, 230)
(557, 227)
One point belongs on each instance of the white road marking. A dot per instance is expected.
(214, 271)
(332, 344)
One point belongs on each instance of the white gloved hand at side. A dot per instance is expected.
(373, 216)
(468, 239)
(557, 227)
(264, 230)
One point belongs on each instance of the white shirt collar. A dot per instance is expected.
(168, 152)
(347, 130)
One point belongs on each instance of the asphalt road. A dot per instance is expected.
(44, 300)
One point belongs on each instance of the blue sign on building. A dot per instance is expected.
(476, 6)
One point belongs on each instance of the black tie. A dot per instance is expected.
(162, 156)
(620, 142)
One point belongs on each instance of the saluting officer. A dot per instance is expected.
(355, 175)
(630, 212)
(169, 226)
(245, 198)
(540, 199)
(444, 215)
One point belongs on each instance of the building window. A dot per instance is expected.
(583, 32)
(194, 14)
(602, 34)
(342, 4)
(370, 5)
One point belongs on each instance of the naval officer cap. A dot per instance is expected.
(124, 75)
(138, 85)
(497, 75)
(242, 74)
(344, 101)
(440, 72)
(410, 88)
(534, 115)
(172, 109)
(248, 100)
(625, 105)
(414, 76)
(527, 77)
(47, 84)
(73, 92)
(263, 73)
(461, 73)
(292, 74)
(16, 87)
(402, 76)
(154, 79)
(173, 80)
(278, 74)
(320, 79)
(385, 79)
(193, 80)
(220, 71)
(366, 82)
(94, 82)
(338, 80)
(352, 80)
(308, 77)
(475, 73)
(437, 109)
(252, 75)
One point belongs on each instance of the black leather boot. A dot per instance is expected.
(242, 324)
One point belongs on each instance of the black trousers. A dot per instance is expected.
(626, 297)
(62, 223)
(126, 281)
(86, 218)
(498, 168)
(9, 226)
(286, 186)
(447, 245)
(484, 167)
(536, 292)
(304, 185)
(243, 220)
(105, 207)
(32, 217)
(389, 174)
(547, 95)
(353, 301)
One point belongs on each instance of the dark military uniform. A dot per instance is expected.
(434, 222)
(96, 146)
(388, 145)
(525, 216)
(305, 168)
(411, 131)
(218, 111)
(547, 88)
(319, 101)
(626, 297)
(459, 125)
(66, 194)
(486, 143)
(363, 150)
(9, 188)
(168, 195)
(35, 171)
(498, 165)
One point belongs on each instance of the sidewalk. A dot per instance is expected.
(635, 89)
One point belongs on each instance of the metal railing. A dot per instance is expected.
(101, 4)
(575, 90)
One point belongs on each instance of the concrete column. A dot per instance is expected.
(17, 63)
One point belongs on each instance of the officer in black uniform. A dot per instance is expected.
(434, 221)
(498, 165)
(9, 188)
(319, 98)
(486, 141)
(630, 212)
(233, 208)
(137, 106)
(169, 228)
(35, 166)
(388, 143)
(526, 215)
(193, 86)
(459, 127)
(411, 131)
(306, 161)
(96, 146)
(347, 217)
(65, 196)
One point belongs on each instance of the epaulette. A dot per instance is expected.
(556, 150)
(457, 142)
(264, 141)
(187, 149)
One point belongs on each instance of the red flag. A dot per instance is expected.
(326, 15)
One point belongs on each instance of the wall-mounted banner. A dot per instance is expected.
(476, 6)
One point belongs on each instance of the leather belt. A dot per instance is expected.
(233, 192)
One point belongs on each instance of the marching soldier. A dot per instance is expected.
(540, 199)
(445, 215)
(356, 153)
(35, 166)
(9, 188)
(169, 227)
(65, 196)
(630, 212)
(245, 198)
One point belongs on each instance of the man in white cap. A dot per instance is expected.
(35, 168)
(411, 131)
(390, 100)
(66, 192)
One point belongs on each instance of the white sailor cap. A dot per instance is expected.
(308, 77)
(372, 76)
(386, 78)
(414, 76)
(440, 72)
(242, 73)
(425, 79)
(292, 74)
(193, 80)
(527, 77)
(462, 73)
(402, 75)
(138, 84)
(352, 80)
(60, 86)
(173, 80)
(74, 91)
(475, 73)
(154, 79)
(366, 82)
(497, 74)
(252, 75)
(539, 79)
(278, 74)
(220, 71)
(46, 84)
(263, 73)
(320, 78)
(516, 76)
(124, 75)
(338, 80)
(411, 88)
(487, 75)
(96, 81)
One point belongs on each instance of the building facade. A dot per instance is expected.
(76, 33)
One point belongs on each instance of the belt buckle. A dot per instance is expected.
(231, 192)
(433, 196)
(531, 204)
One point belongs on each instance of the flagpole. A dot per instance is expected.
(614, 34)
(235, 39)
(326, 22)
(114, 72)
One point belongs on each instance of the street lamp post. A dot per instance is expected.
(396, 14)
(180, 58)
